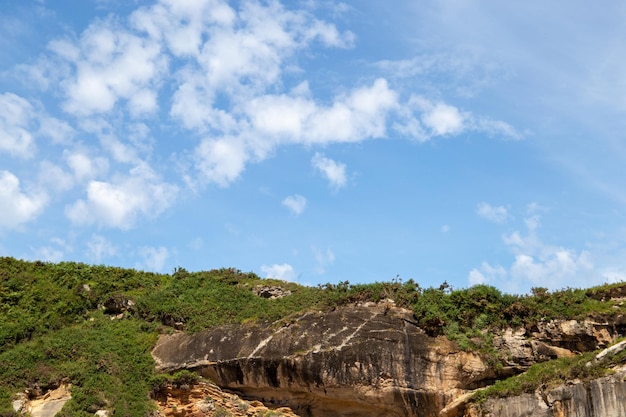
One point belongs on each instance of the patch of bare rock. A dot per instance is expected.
(208, 400)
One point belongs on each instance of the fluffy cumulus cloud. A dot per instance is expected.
(226, 72)
(335, 172)
(360, 114)
(107, 64)
(536, 263)
(220, 161)
(21, 123)
(17, 206)
(16, 116)
(217, 85)
(118, 203)
(296, 203)
(497, 214)
(283, 272)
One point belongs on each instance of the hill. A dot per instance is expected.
(95, 328)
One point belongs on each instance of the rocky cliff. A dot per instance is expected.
(602, 397)
(372, 360)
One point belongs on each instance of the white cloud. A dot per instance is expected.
(335, 172)
(99, 248)
(323, 259)
(613, 275)
(546, 265)
(57, 130)
(118, 203)
(182, 24)
(422, 119)
(85, 167)
(109, 63)
(16, 206)
(487, 274)
(21, 123)
(228, 82)
(360, 115)
(283, 272)
(537, 263)
(154, 258)
(220, 160)
(497, 128)
(270, 121)
(296, 203)
(16, 120)
(49, 254)
(443, 119)
(54, 252)
(53, 177)
(497, 214)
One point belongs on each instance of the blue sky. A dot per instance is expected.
(318, 141)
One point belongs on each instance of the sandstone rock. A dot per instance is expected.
(20, 402)
(576, 336)
(602, 397)
(50, 403)
(207, 399)
(372, 360)
(271, 291)
(367, 360)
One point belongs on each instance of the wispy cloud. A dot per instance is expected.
(154, 258)
(536, 263)
(99, 248)
(296, 203)
(335, 172)
(497, 214)
(323, 259)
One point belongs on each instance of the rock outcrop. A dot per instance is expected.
(602, 397)
(207, 399)
(44, 405)
(372, 360)
(367, 360)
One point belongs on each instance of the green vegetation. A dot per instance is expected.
(442, 311)
(552, 373)
(94, 326)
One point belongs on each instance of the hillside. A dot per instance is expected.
(95, 328)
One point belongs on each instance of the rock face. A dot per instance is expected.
(372, 360)
(46, 405)
(207, 399)
(366, 360)
(603, 397)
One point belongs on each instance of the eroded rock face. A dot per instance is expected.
(366, 360)
(602, 397)
(207, 399)
(45, 405)
(369, 360)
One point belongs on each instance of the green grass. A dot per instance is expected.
(107, 362)
(552, 373)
